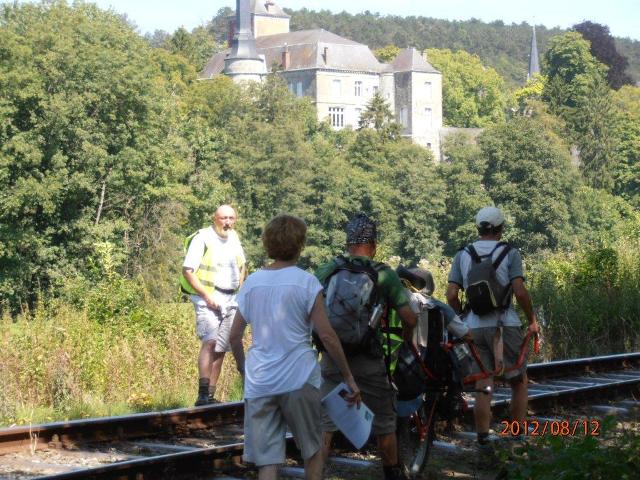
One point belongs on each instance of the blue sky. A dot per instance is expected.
(621, 16)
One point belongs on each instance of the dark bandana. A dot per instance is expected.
(361, 230)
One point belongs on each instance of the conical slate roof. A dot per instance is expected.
(410, 60)
(534, 64)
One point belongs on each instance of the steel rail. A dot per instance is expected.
(198, 461)
(139, 425)
(154, 423)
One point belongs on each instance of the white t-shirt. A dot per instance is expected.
(509, 269)
(277, 304)
(228, 256)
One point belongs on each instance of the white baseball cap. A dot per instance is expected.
(491, 215)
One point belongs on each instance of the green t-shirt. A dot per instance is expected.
(390, 289)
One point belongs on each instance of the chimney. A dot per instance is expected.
(286, 57)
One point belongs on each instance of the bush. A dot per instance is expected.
(592, 294)
(610, 455)
(59, 363)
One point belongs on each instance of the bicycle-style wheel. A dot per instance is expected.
(416, 437)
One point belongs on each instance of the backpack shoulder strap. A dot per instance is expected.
(471, 250)
(502, 255)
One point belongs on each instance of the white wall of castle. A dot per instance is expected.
(264, 25)
(341, 97)
(419, 108)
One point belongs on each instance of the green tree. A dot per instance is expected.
(529, 174)
(196, 46)
(473, 95)
(88, 149)
(604, 49)
(463, 173)
(386, 54)
(627, 172)
(378, 116)
(577, 91)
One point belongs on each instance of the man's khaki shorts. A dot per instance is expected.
(512, 338)
(370, 375)
(266, 420)
(215, 324)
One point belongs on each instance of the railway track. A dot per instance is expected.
(201, 441)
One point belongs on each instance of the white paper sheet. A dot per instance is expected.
(354, 423)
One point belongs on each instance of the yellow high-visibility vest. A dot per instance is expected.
(206, 270)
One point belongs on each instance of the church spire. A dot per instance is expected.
(534, 65)
(243, 62)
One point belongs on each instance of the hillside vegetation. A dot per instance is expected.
(111, 152)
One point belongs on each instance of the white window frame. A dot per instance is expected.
(357, 88)
(336, 116)
(428, 90)
(428, 113)
(404, 116)
(336, 88)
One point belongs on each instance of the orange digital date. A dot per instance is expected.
(555, 428)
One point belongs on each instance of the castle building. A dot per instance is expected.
(338, 74)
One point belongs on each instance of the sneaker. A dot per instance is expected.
(203, 399)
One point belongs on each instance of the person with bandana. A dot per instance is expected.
(369, 371)
(213, 271)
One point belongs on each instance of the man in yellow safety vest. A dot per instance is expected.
(212, 272)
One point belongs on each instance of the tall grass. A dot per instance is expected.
(590, 299)
(61, 363)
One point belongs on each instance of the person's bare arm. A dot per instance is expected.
(453, 289)
(331, 343)
(235, 340)
(409, 321)
(243, 274)
(524, 300)
(193, 280)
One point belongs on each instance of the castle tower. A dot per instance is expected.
(534, 64)
(243, 62)
(267, 18)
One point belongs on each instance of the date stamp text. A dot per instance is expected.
(555, 428)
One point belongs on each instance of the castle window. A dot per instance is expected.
(299, 89)
(358, 89)
(336, 116)
(375, 89)
(427, 90)
(336, 88)
(404, 117)
(428, 113)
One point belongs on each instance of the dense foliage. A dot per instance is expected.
(111, 152)
(603, 48)
(607, 454)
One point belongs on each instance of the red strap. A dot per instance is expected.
(524, 349)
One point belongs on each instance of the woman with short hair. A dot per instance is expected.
(282, 378)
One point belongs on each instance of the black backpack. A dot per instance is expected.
(484, 292)
(350, 297)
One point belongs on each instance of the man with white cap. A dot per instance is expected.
(495, 326)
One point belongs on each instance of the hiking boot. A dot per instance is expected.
(203, 399)
(212, 400)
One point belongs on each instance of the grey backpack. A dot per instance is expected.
(351, 295)
(484, 292)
